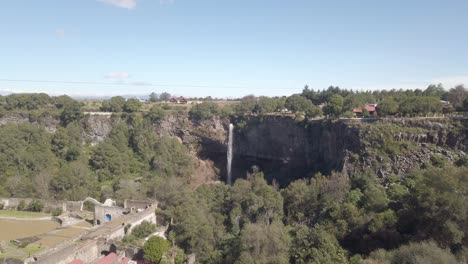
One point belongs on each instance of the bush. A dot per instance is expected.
(463, 161)
(24, 244)
(155, 248)
(204, 110)
(57, 211)
(144, 229)
(132, 105)
(129, 240)
(35, 206)
(423, 252)
(155, 114)
(21, 206)
(166, 107)
(438, 160)
(2, 206)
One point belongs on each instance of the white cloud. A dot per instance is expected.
(117, 75)
(129, 4)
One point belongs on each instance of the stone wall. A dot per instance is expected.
(89, 247)
(138, 204)
(100, 212)
(87, 251)
(66, 206)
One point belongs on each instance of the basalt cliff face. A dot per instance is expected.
(286, 149)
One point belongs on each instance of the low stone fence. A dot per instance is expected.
(12, 203)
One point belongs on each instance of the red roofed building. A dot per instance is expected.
(179, 100)
(77, 261)
(371, 108)
(109, 259)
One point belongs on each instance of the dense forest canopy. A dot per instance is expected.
(418, 217)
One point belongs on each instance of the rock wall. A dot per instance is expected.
(96, 127)
(12, 203)
(286, 149)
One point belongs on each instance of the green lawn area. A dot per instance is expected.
(20, 253)
(21, 214)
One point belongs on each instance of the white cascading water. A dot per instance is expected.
(229, 154)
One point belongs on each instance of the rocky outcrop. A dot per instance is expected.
(49, 122)
(97, 127)
(286, 149)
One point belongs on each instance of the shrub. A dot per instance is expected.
(57, 211)
(166, 107)
(423, 252)
(204, 110)
(35, 206)
(463, 161)
(144, 229)
(2, 206)
(155, 248)
(24, 244)
(129, 239)
(438, 160)
(21, 206)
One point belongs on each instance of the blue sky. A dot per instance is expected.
(231, 48)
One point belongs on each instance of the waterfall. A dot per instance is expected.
(229, 154)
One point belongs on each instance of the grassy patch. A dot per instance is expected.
(33, 249)
(381, 138)
(21, 214)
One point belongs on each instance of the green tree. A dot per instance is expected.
(115, 104)
(334, 106)
(387, 107)
(165, 96)
(456, 96)
(264, 243)
(35, 206)
(417, 253)
(155, 114)
(315, 245)
(144, 229)
(153, 97)
(155, 248)
(204, 110)
(63, 101)
(71, 113)
(171, 158)
(314, 111)
(254, 201)
(434, 90)
(196, 230)
(436, 207)
(465, 104)
(132, 105)
(297, 103)
(266, 105)
(246, 106)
